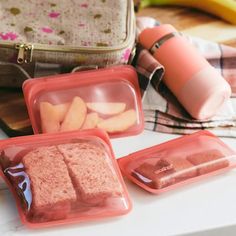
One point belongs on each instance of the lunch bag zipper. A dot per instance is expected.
(26, 50)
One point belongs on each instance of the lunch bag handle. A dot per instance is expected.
(12, 75)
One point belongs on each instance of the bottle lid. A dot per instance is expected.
(149, 36)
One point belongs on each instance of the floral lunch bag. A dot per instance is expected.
(68, 33)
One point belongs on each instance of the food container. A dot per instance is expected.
(196, 84)
(108, 99)
(63, 178)
(178, 162)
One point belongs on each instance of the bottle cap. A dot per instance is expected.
(150, 36)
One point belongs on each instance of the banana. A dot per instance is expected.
(225, 9)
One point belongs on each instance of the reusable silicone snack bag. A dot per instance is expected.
(63, 178)
(108, 99)
(195, 83)
(178, 162)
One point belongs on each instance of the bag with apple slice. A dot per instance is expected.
(108, 99)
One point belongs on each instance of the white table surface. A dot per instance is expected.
(198, 207)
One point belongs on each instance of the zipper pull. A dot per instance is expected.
(21, 53)
(29, 52)
(25, 53)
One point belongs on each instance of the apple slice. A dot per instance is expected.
(75, 116)
(100, 119)
(49, 118)
(91, 121)
(61, 110)
(120, 122)
(107, 108)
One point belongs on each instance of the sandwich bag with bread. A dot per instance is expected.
(178, 162)
(63, 178)
(107, 98)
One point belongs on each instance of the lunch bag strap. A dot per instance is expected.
(12, 75)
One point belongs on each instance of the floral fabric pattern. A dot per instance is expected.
(97, 24)
(65, 22)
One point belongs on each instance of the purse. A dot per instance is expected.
(68, 33)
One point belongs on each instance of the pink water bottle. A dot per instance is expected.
(196, 84)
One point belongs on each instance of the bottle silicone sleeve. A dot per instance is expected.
(195, 83)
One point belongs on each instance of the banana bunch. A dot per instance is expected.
(225, 9)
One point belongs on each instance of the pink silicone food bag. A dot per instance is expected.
(178, 162)
(108, 99)
(63, 178)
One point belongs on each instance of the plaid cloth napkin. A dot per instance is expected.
(162, 111)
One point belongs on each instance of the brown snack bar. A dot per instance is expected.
(208, 161)
(156, 176)
(183, 168)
